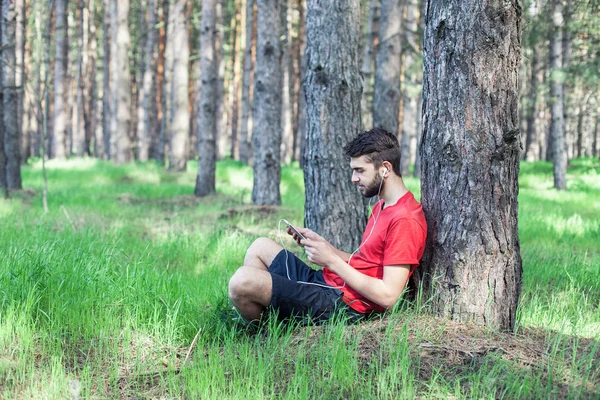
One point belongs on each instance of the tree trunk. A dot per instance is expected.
(532, 145)
(3, 182)
(287, 136)
(267, 105)
(333, 87)
(557, 131)
(236, 72)
(368, 62)
(59, 136)
(470, 160)
(596, 131)
(105, 150)
(300, 134)
(157, 148)
(180, 126)
(220, 96)
(388, 67)
(412, 90)
(245, 147)
(145, 124)
(568, 134)
(92, 93)
(206, 107)
(20, 39)
(10, 98)
(79, 135)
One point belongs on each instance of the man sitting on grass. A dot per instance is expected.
(369, 280)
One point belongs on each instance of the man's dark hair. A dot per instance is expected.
(378, 145)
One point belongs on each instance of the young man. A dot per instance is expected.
(371, 279)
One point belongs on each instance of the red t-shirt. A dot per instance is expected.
(398, 238)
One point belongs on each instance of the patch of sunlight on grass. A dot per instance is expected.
(70, 164)
(144, 176)
(573, 225)
(238, 178)
(8, 206)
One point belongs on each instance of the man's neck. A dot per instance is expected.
(393, 189)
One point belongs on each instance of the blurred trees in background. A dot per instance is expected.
(122, 80)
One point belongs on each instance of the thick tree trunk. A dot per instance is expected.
(411, 90)
(145, 123)
(557, 131)
(245, 147)
(470, 159)
(180, 126)
(10, 98)
(206, 107)
(59, 136)
(388, 67)
(267, 105)
(333, 88)
(368, 63)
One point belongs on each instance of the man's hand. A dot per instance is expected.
(319, 250)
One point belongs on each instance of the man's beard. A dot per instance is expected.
(374, 187)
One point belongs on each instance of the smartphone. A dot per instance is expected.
(301, 236)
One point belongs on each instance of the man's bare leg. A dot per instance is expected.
(261, 253)
(250, 290)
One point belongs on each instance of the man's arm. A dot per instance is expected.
(305, 231)
(384, 292)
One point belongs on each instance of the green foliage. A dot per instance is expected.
(110, 287)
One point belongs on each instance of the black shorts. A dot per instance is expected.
(300, 292)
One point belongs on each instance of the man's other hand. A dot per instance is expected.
(319, 250)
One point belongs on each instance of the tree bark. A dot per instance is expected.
(236, 72)
(20, 39)
(472, 268)
(266, 137)
(411, 90)
(300, 134)
(557, 131)
(59, 136)
(79, 135)
(220, 96)
(206, 107)
(3, 183)
(368, 63)
(10, 98)
(333, 88)
(180, 126)
(145, 125)
(245, 147)
(388, 67)
(532, 145)
(287, 137)
(105, 150)
(92, 87)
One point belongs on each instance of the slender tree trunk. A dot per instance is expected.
(165, 131)
(470, 159)
(59, 136)
(220, 96)
(10, 98)
(388, 68)
(20, 39)
(411, 90)
(368, 63)
(180, 127)
(333, 88)
(300, 135)
(557, 131)
(145, 124)
(105, 151)
(157, 147)
(206, 107)
(92, 93)
(247, 78)
(236, 77)
(79, 136)
(565, 44)
(3, 177)
(287, 137)
(532, 146)
(267, 105)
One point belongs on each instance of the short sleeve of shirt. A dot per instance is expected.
(403, 243)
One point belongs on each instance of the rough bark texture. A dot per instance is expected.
(368, 62)
(411, 89)
(266, 137)
(206, 107)
(333, 88)
(388, 67)
(246, 118)
(59, 136)
(12, 145)
(470, 159)
(180, 125)
(557, 131)
(145, 124)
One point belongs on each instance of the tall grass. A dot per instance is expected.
(102, 296)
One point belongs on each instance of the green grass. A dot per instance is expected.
(104, 294)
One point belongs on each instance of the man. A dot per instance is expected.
(371, 279)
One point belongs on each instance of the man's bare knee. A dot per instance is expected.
(261, 253)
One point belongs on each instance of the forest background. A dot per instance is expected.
(119, 289)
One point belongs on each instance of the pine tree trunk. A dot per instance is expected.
(166, 126)
(105, 150)
(20, 39)
(557, 131)
(59, 136)
(10, 98)
(300, 133)
(221, 93)
(79, 136)
(92, 94)
(287, 137)
(145, 124)
(266, 137)
(411, 90)
(180, 126)
(158, 148)
(246, 116)
(470, 160)
(206, 107)
(388, 67)
(235, 82)
(3, 182)
(368, 63)
(333, 88)
(568, 134)
(532, 146)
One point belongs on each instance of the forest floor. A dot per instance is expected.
(120, 291)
